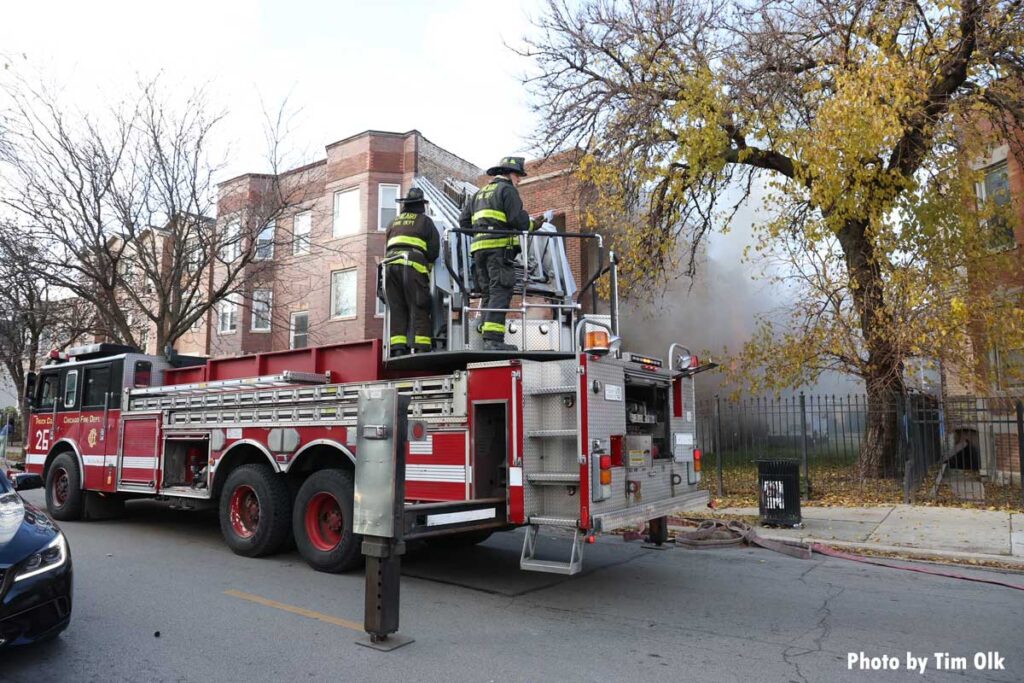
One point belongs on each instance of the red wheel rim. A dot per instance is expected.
(245, 511)
(325, 524)
(60, 485)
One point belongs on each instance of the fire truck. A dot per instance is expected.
(570, 434)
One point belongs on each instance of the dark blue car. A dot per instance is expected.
(35, 567)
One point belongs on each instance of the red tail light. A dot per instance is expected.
(696, 459)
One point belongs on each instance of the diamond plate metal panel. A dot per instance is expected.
(549, 389)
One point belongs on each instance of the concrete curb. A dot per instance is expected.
(917, 553)
(933, 554)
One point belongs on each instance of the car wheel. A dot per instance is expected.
(65, 499)
(322, 523)
(255, 511)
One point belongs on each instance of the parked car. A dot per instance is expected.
(35, 567)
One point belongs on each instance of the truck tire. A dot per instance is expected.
(65, 499)
(322, 522)
(255, 511)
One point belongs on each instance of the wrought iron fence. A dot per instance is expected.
(964, 450)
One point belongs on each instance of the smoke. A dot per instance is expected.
(716, 313)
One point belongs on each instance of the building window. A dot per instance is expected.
(346, 212)
(380, 309)
(343, 294)
(227, 314)
(300, 232)
(262, 300)
(1009, 367)
(232, 247)
(387, 204)
(193, 255)
(299, 338)
(144, 340)
(995, 189)
(265, 243)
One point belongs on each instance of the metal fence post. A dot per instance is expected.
(1020, 446)
(905, 447)
(803, 447)
(718, 442)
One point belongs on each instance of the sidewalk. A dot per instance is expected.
(924, 532)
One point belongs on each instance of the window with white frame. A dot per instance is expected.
(299, 330)
(265, 243)
(994, 189)
(381, 309)
(232, 247)
(301, 227)
(346, 212)
(262, 302)
(387, 204)
(1009, 368)
(193, 255)
(227, 314)
(343, 294)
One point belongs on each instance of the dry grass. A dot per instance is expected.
(837, 484)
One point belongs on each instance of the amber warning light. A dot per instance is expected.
(596, 342)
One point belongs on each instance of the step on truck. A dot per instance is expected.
(576, 436)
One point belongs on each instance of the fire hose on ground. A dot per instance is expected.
(718, 533)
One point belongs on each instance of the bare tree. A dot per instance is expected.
(32, 321)
(121, 207)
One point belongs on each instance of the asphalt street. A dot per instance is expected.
(635, 614)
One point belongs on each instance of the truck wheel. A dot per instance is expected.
(322, 523)
(255, 511)
(65, 499)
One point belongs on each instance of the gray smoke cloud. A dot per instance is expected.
(718, 311)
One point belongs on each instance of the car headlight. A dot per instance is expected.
(54, 555)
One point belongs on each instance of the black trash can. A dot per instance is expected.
(779, 499)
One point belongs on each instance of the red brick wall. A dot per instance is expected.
(303, 283)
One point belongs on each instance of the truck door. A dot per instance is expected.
(98, 436)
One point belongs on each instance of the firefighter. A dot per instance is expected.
(412, 248)
(496, 206)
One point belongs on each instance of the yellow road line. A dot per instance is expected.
(301, 611)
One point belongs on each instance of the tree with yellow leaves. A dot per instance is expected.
(860, 118)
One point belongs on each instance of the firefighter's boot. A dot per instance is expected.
(495, 345)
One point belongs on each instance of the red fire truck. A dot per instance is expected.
(581, 437)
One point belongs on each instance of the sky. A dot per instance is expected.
(442, 67)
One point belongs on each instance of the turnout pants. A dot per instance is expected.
(496, 278)
(408, 295)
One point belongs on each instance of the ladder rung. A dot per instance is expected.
(554, 521)
(549, 433)
(546, 391)
(554, 478)
(549, 566)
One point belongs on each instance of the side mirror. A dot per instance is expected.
(30, 389)
(24, 481)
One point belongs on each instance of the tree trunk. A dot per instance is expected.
(883, 371)
(880, 449)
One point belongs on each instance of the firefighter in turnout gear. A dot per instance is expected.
(496, 206)
(412, 248)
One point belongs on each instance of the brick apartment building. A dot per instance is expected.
(315, 279)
